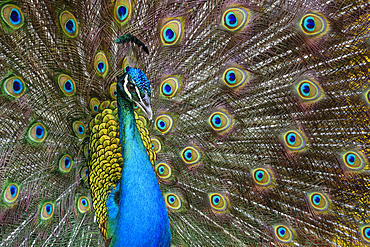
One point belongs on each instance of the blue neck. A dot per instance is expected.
(141, 217)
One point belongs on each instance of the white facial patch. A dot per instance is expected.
(125, 87)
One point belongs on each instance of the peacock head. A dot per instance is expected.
(134, 86)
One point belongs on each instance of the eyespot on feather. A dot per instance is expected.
(101, 64)
(156, 145)
(217, 201)
(294, 140)
(14, 86)
(283, 234)
(262, 177)
(66, 84)
(68, 23)
(235, 18)
(171, 32)
(367, 96)
(84, 173)
(122, 11)
(173, 201)
(219, 121)
(37, 132)
(314, 24)
(234, 77)
(169, 87)
(47, 211)
(164, 123)
(163, 170)
(113, 90)
(308, 90)
(190, 155)
(65, 163)
(318, 201)
(353, 161)
(83, 204)
(12, 15)
(94, 105)
(11, 193)
(365, 233)
(79, 129)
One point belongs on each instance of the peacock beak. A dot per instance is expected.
(144, 104)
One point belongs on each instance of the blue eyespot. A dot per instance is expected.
(291, 138)
(17, 86)
(171, 199)
(68, 86)
(48, 208)
(259, 175)
(122, 12)
(84, 202)
(231, 19)
(316, 199)
(101, 67)
(216, 200)
(13, 191)
(367, 232)
(47, 211)
(39, 132)
(115, 93)
(96, 108)
(231, 77)
(188, 155)
(161, 124)
(81, 129)
(281, 231)
(161, 170)
(309, 24)
(15, 17)
(67, 162)
(70, 26)
(86, 172)
(171, 32)
(216, 121)
(283, 234)
(314, 24)
(351, 159)
(169, 35)
(305, 89)
(167, 89)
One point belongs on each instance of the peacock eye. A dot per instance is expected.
(283, 233)
(131, 87)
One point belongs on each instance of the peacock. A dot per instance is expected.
(185, 123)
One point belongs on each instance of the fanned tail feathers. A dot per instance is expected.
(260, 128)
